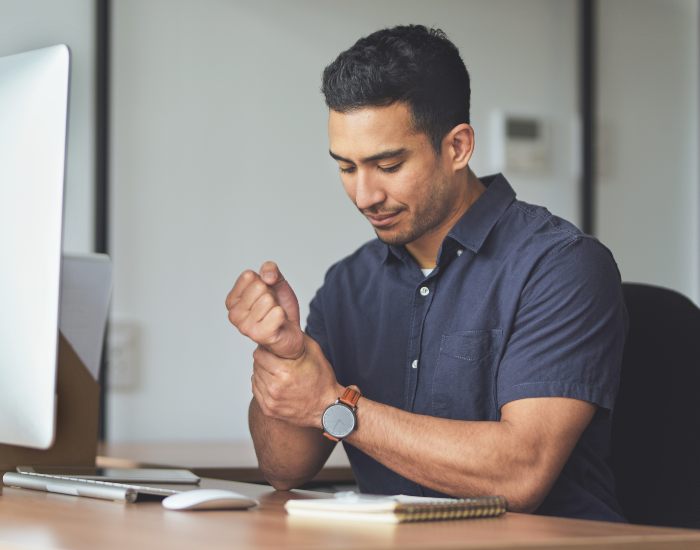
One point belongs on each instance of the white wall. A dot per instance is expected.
(219, 162)
(648, 207)
(31, 24)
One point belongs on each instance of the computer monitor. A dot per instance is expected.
(33, 124)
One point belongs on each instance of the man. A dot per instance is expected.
(484, 334)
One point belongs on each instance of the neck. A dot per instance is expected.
(425, 249)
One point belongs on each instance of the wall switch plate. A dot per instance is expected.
(522, 144)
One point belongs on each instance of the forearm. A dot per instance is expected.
(288, 455)
(458, 458)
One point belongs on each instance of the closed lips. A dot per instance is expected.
(382, 219)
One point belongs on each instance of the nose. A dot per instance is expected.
(368, 191)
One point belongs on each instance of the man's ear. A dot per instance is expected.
(458, 146)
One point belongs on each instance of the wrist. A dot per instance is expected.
(300, 356)
(328, 397)
(339, 419)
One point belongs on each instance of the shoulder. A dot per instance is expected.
(558, 243)
(572, 266)
(549, 255)
(547, 239)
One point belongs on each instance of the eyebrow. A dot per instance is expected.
(379, 156)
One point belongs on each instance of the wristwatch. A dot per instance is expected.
(339, 419)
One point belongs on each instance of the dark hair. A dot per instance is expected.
(412, 64)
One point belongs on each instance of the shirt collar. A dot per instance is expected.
(474, 226)
(472, 229)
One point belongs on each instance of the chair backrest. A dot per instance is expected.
(655, 443)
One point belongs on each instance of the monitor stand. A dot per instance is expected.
(77, 401)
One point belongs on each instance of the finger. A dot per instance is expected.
(270, 273)
(263, 377)
(262, 306)
(253, 293)
(258, 393)
(264, 360)
(255, 384)
(240, 312)
(267, 330)
(243, 281)
(263, 382)
(242, 316)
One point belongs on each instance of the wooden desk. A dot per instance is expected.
(234, 461)
(32, 519)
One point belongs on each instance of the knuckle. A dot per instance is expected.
(241, 321)
(259, 335)
(284, 375)
(246, 328)
(257, 287)
(267, 299)
(278, 313)
(312, 344)
(266, 403)
(274, 391)
(242, 281)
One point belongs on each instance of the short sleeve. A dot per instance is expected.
(569, 330)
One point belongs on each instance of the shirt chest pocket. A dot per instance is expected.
(463, 379)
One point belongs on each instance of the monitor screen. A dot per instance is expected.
(33, 114)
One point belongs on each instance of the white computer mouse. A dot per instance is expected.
(208, 499)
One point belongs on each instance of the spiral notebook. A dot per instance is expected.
(395, 509)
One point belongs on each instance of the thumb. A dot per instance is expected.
(271, 275)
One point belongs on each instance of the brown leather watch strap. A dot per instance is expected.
(329, 436)
(350, 396)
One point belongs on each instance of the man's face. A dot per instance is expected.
(391, 172)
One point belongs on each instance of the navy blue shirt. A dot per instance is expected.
(521, 304)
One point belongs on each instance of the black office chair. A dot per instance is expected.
(655, 452)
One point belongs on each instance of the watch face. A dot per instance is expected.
(338, 420)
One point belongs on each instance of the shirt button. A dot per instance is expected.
(424, 291)
(459, 252)
(414, 365)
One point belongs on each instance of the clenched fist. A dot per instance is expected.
(263, 307)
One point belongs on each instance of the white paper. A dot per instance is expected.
(86, 288)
